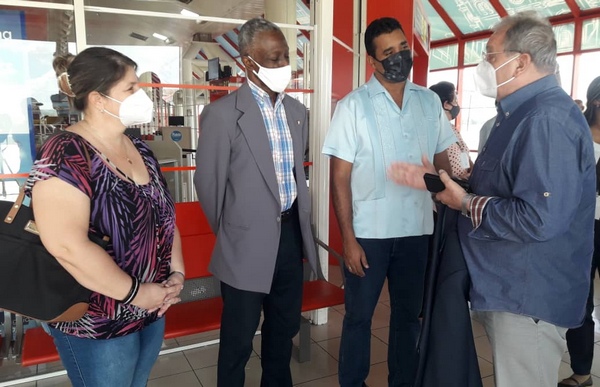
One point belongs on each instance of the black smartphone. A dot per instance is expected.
(434, 183)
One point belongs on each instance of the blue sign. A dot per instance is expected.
(12, 25)
(176, 135)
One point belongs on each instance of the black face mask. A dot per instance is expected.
(397, 66)
(454, 111)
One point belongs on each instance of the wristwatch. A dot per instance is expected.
(465, 205)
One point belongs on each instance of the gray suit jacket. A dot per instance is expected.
(238, 191)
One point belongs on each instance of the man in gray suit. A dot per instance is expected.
(250, 183)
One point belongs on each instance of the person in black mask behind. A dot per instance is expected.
(458, 152)
(385, 228)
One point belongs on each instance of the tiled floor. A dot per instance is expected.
(197, 367)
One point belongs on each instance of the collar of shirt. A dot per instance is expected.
(261, 96)
(375, 87)
(510, 103)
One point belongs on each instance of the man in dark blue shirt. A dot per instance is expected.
(527, 232)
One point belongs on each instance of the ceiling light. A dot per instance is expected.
(185, 12)
(159, 36)
(138, 36)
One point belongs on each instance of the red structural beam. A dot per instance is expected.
(468, 37)
(163, 169)
(235, 46)
(203, 55)
(303, 32)
(499, 8)
(573, 7)
(210, 87)
(554, 20)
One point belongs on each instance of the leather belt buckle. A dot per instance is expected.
(287, 214)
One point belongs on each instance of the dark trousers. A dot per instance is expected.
(281, 307)
(402, 261)
(580, 341)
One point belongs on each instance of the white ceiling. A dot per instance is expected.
(114, 29)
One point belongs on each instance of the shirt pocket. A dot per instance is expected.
(488, 165)
(368, 179)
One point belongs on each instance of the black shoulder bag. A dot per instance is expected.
(32, 282)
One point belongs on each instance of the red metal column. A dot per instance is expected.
(341, 84)
(404, 11)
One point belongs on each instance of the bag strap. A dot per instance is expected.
(12, 214)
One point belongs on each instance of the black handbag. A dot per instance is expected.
(32, 282)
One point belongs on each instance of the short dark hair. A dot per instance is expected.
(249, 31)
(445, 90)
(377, 27)
(93, 69)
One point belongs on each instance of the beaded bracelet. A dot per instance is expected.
(135, 286)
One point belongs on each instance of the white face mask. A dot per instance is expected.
(275, 79)
(135, 109)
(485, 77)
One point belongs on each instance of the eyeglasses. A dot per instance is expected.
(486, 55)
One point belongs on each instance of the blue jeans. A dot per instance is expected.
(123, 361)
(403, 262)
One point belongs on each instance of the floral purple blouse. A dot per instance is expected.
(139, 219)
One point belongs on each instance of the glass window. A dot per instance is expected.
(439, 28)
(545, 8)
(163, 61)
(444, 57)
(565, 67)
(588, 4)
(587, 72)
(474, 50)
(565, 35)
(302, 13)
(31, 107)
(471, 16)
(590, 37)
(442, 75)
(475, 109)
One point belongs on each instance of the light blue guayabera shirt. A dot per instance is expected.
(370, 131)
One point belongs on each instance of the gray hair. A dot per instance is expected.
(529, 33)
(250, 29)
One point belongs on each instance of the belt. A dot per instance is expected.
(285, 215)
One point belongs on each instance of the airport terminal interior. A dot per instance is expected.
(187, 56)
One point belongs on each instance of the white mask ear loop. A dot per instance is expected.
(256, 63)
(504, 64)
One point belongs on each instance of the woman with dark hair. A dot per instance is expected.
(93, 177)
(580, 341)
(458, 153)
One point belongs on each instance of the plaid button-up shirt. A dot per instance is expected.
(280, 141)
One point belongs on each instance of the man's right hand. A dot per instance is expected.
(355, 258)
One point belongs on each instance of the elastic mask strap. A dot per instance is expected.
(111, 98)
(106, 111)
(504, 64)
(507, 62)
(256, 63)
(505, 82)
